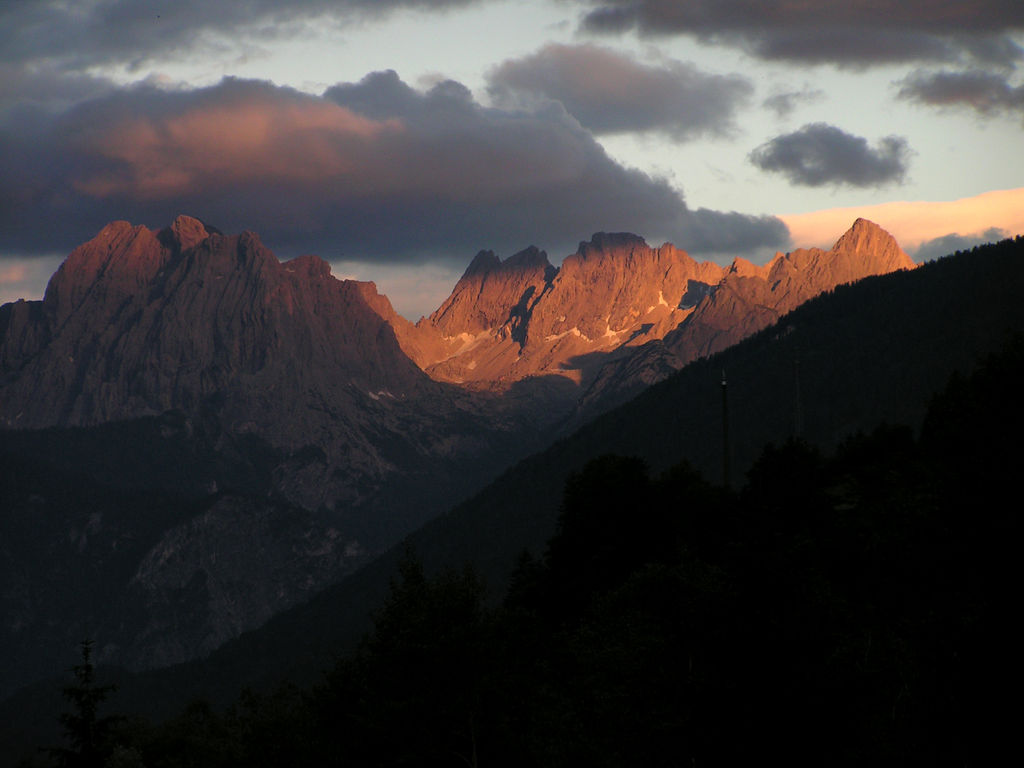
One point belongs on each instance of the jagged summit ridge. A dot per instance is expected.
(492, 293)
(138, 322)
(505, 320)
(186, 232)
(519, 318)
(610, 241)
(746, 299)
(522, 317)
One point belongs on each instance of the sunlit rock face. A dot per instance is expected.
(619, 315)
(745, 300)
(510, 320)
(139, 322)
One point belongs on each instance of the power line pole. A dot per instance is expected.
(725, 432)
(798, 411)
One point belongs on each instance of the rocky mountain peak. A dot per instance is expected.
(108, 268)
(523, 317)
(876, 247)
(311, 266)
(186, 232)
(138, 322)
(528, 258)
(487, 295)
(748, 298)
(482, 263)
(610, 241)
(746, 268)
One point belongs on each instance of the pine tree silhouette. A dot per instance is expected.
(87, 734)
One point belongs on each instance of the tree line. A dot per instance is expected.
(847, 609)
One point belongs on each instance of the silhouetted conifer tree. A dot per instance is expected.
(86, 732)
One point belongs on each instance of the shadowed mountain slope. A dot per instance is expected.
(306, 431)
(869, 353)
(282, 390)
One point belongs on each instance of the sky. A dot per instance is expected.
(396, 138)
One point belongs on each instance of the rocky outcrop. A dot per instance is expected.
(589, 320)
(137, 322)
(520, 318)
(222, 583)
(747, 299)
(495, 294)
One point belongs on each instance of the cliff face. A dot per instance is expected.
(589, 321)
(745, 300)
(510, 320)
(137, 322)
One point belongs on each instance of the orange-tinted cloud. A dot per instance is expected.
(256, 133)
(26, 278)
(374, 169)
(915, 223)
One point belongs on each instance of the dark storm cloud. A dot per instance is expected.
(852, 32)
(609, 92)
(819, 154)
(45, 87)
(947, 244)
(46, 45)
(985, 92)
(86, 32)
(372, 170)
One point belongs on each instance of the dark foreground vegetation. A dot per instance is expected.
(855, 609)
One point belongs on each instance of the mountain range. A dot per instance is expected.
(252, 430)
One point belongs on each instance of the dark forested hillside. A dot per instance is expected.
(846, 609)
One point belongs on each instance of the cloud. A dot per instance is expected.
(370, 171)
(609, 92)
(947, 244)
(819, 154)
(414, 290)
(47, 46)
(94, 32)
(845, 32)
(42, 86)
(914, 223)
(987, 93)
(783, 104)
(26, 278)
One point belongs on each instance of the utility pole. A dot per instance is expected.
(798, 411)
(725, 432)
